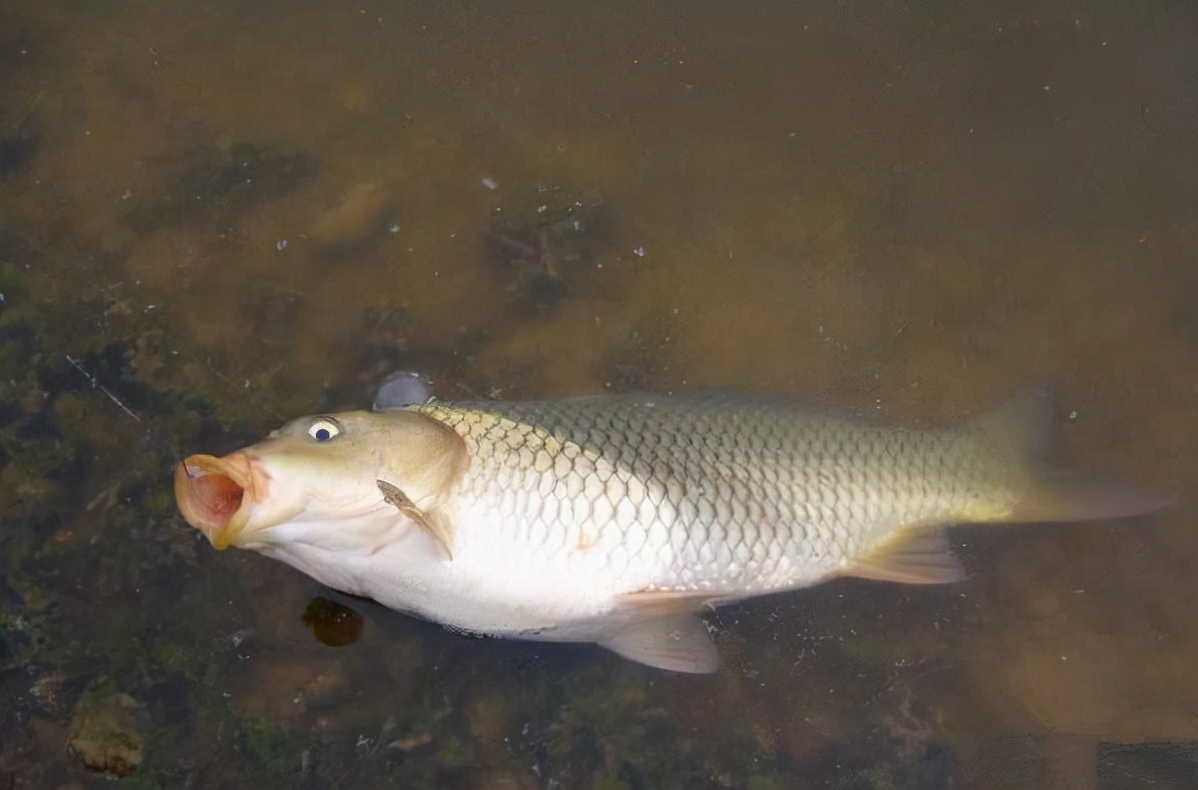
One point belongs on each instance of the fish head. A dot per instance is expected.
(316, 481)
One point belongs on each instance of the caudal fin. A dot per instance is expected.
(1023, 433)
(1081, 496)
(1010, 449)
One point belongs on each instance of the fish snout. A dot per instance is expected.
(217, 495)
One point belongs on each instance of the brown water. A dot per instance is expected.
(228, 214)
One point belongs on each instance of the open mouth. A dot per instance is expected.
(215, 495)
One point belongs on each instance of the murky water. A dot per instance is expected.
(217, 217)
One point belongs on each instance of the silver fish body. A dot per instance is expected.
(725, 497)
(614, 518)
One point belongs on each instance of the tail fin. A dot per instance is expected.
(1024, 432)
(1017, 441)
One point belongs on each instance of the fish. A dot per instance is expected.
(621, 519)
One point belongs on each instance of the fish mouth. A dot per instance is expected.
(216, 495)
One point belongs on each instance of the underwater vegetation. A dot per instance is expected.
(218, 219)
(127, 644)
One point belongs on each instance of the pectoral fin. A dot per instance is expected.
(679, 643)
(919, 556)
(432, 521)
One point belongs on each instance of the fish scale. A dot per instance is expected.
(742, 492)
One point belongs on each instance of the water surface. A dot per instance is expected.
(215, 218)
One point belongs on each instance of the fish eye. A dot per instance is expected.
(324, 429)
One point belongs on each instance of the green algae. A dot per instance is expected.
(87, 545)
(218, 183)
(274, 748)
(550, 238)
(106, 731)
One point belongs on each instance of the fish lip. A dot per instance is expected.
(217, 495)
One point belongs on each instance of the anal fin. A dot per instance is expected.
(919, 556)
(679, 643)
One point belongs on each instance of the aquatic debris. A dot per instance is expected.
(550, 240)
(105, 733)
(96, 385)
(333, 624)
